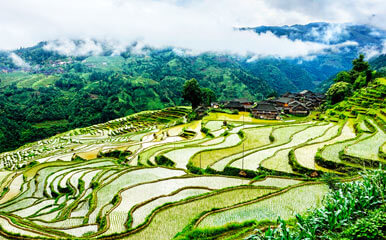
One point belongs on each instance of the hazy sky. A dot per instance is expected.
(200, 25)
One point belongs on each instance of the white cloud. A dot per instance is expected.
(198, 26)
(330, 33)
(18, 61)
(68, 47)
(374, 51)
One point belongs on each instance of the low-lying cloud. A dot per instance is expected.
(330, 33)
(242, 43)
(18, 61)
(192, 26)
(374, 51)
(71, 48)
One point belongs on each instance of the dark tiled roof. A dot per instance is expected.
(290, 95)
(234, 104)
(264, 106)
(283, 100)
(296, 104)
(242, 100)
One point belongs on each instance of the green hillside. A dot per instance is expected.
(369, 101)
(78, 92)
(223, 176)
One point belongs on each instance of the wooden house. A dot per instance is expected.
(265, 110)
(234, 105)
(244, 101)
(282, 103)
(298, 108)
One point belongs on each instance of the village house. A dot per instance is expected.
(219, 104)
(298, 108)
(245, 102)
(241, 104)
(265, 110)
(308, 100)
(234, 105)
(282, 103)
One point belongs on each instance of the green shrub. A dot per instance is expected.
(205, 130)
(81, 184)
(372, 226)
(115, 199)
(241, 134)
(342, 213)
(226, 133)
(94, 184)
(194, 169)
(271, 137)
(5, 190)
(66, 190)
(164, 161)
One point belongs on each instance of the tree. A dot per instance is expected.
(359, 64)
(360, 82)
(359, 75)
(192, 92)
(208, 96)
(338, 91)
(343, 77)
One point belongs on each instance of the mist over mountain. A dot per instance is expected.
(348, 40)
(331, 33)
(341, 43)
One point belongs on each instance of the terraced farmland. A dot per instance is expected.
(153, 174)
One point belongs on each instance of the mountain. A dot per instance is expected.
(58, 93)
(348, 41)
(332, 33)
(377, 63)
(59, 85)
(342, 42)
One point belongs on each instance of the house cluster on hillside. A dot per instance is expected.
(289, 103)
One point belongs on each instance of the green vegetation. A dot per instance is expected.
(148, 153)
(196, 95)
(158, 175)
(346, 82)
(354, 210)
(102, 88)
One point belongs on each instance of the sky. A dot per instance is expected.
(197, 25)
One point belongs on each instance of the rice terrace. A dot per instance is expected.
(153, 175)
(192, 120)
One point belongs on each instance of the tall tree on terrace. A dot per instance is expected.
(192, 92)
(208, 96)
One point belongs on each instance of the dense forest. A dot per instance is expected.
(84, 91)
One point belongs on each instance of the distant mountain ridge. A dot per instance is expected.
(290, 74)
(362, 38)
(323, 32)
